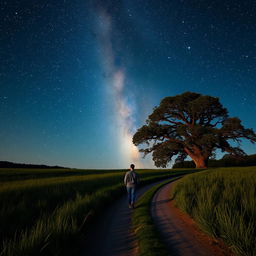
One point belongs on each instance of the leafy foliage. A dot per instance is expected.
(190, 124)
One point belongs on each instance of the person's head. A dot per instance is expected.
(132, 166)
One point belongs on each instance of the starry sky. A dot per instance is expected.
(77, 78)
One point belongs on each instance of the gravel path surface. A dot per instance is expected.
(179, 232)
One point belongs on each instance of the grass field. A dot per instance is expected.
(12, 174)
(42, 211)
(223, 202)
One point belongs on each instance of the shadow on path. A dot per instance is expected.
(112, 234)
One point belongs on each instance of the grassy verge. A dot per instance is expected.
(55, 233)
(147, 235)
(223, 202)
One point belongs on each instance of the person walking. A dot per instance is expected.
(131, 181)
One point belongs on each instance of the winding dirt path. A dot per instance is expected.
(179, 232)
(112, 234)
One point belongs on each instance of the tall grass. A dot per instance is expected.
(223, 202)
(42, 214)
(54, 234)
(23, 202)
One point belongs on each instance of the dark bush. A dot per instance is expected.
(225, 161)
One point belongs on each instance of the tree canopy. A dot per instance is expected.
(190, 124)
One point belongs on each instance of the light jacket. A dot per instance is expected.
(131, 179)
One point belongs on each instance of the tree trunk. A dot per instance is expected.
(200, 161)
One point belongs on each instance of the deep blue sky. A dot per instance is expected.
(77, 78)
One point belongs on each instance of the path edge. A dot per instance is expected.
(146, 232)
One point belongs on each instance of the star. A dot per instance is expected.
(63, 67)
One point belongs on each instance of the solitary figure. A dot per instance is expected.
(131, 182)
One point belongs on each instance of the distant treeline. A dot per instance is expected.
(6, 164)
(225, 161)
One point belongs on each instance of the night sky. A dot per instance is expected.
(77, 78)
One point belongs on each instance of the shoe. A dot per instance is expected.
(133, 206)
(130, 206)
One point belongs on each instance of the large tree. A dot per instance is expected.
(192, 125)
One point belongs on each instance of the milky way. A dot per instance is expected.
(115, 82)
